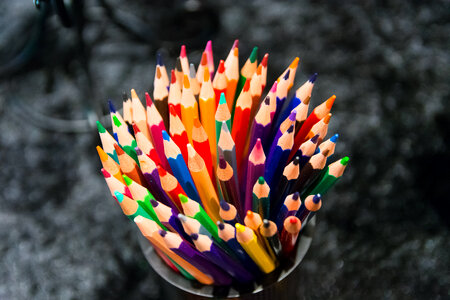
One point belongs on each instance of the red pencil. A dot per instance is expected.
(289, 234)
(145, 145)
(220, 84)
(175, 93)
(178, 132)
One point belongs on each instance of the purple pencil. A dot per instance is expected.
(175, 243)
(214, 254)
(307, 150)
(290, 120)
(262, 125)
(169, 218)
(255, 169)
(151, 175)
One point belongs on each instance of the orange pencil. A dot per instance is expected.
(129, 166)
(189, 107)
(201, 68)
(109, 164)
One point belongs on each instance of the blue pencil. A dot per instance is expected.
(309, 207)
(179, 168)
(290, 207)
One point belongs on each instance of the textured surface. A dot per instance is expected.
(383, 232)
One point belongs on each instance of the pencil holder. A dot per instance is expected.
(280, 284)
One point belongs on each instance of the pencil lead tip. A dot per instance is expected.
(224, 205)
(116, 121)
(220, 225)
(239, 227)
(235, 44)
(183, 198)
(266, 223)
(264, 60)
(290, 129)
(178, 66)
(267, 100)
(313, 78)
(246, 85)
(148, 100)
(250, 214)
(183, 51)
(119, 196)
(221, 68)
(222, 100)
(162, 232)
(293, 220)
(274, 87)
(261, 180)
(192, 72)
(173, 78)
(182, 218)
(165, 135)
(334, 138)
(286, 76)
(204, 60)
(344, 161)
(154, 202)
(159, 61)
(208, 46)
(296, 196)
(222, 163)
(135, 128)
(100, 127)
(296, 161)
(315, 138)
(138, 151)
(112, 109)
(186, 83)
(127, 179)
(317, 198)
(105, 173)
(194, 236)
(124, 96)
(253, 55)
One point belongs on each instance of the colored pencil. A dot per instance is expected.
(329, 145)
(162, 69)
(139, 116)
(195, 85)
(306, 150)
(201, 179)
(247, 239)
(261, 198)
(178, 132)
(228, 180)
(228, 213)
(261, 126)
(247, 70)
(290, 207)
(189, 107)
(290, 120)
(241, 120)
(142, 196)
(171, 186)
(317, 114)
(130, 207)
(127, 109)
(200, 141)
(207, 105)
(217, 256)
(201, 68)
(269, 233)
(179, 167)
(151, 175)
(169, 218)
(289, 177)
(114, 184)
(332, 174)
(220, 84)
(145, 145)
(150, 230)
(227, 233)
(320, 128)
(107, 142)
(302, 113)
(174, 93)
(156, 125)
(210, 58)
(222, 115)
(311, 205)
(232, 74)
(255, 91)
(292, 69)
(263, 65)
(109, 164)
(289, 234)
(309, 172)
(125, 139)
(128, 166)
(227, 149)
(179, 71)
(161, 96)
(278, 157)
(187, 252)
(253, 221)
(184, 60)
(255, 169)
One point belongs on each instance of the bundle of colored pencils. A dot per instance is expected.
(219, 179)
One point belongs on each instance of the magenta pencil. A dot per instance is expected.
(255, 169)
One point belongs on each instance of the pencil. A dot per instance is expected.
(195, 85)
(332, 174)
(311, 205)
(302, 113)
(309, 172)
(127, 109)
(162, 69)
(292, 69)
(261, 198)
(278, 157)
(269, 233)
(210, 58)
(128, 166)
(289, 234)
(149, 229)
(228, 213)
(255, 169)
(126, 140)
(290, 120)
(290, 207)
(227, 149)
(247, 239)
(222, 115)
(317, 114)
(169, 218)
(171, 186)
(329, 145)
(151, 175)
(178, 132)
(320, 128)
(107, 142)
(175, 243)
(109, 164)
(145, 145)
(217, 256)
(220, 84)
(288, 179)
(264, 71)
(227, 180)
(307, 149)
(207, 105)
(201, 179)
(255, 91)
(139, 116)
(200, 141)
(201, 68)
(143, 197)
(174, 97)
(241, 120)
(114, 184)
(130, 207)
(156, 125)
(253, 221)
(161, 96)
(232, 74)
(189, 107)
(247, 70)
(179, 167)
(184, 60)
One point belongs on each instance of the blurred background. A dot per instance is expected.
(383, 231)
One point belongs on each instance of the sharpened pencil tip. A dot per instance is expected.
(165, 136)
(224, 205)
(313, 78)
(124, 96)
(159, 60)
(100, 127)
(127, 179)
(162, 232)
(222, 100)
(261, 180)
(253, 55)
(154, 202)
(220, 225)
(296, 196)
(182, 218)
(183, 198)
(315, 138)
(334, 138)
(296, 160)
(266, 223)
(119, 196)
(317, 198)
(194, 236)
(239, 227)
(345, 160)
(221, 67)
(112, 109)
(138, 151)
(286, 76)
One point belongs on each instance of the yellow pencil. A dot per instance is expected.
(248, 240)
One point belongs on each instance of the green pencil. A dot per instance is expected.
(332, 174)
